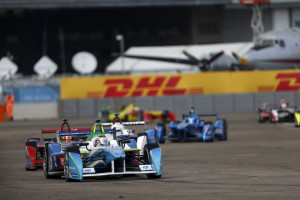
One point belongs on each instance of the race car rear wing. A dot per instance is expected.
(208, 115)
(47, 131)
(125, 123)
(201, 115)
(74, 132)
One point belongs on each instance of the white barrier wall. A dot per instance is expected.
(27, 111)
(220, 103)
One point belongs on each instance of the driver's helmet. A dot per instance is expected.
(191, 120)
(283, 103)
(66, 139)
(100, 141)
(192, 111)
(264, 105)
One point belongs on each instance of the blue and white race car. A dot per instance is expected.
(103, 152)
(192, 128)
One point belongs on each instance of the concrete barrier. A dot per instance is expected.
(27, 111)
(221, 103)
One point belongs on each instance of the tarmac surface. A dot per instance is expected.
(258, 161)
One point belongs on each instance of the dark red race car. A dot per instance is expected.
(35, 148)
(283, 113)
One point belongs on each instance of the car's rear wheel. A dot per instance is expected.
(66, 167)
(46, 162)
(259, 118)
(225, 130)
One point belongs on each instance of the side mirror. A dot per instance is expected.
(125, 141)
(84, 144)
(47, 139)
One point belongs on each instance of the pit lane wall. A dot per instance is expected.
(222, 92)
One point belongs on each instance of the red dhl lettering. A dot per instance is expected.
(146, 86)
(114, 90)
(289, 82)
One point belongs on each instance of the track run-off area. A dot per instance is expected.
(258, 161)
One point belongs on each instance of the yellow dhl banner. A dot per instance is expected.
(180, 84)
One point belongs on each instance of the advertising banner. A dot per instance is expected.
(36, 94)
(180, 84)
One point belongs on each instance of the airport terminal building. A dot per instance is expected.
(61, 28)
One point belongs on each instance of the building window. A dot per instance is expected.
(297, 23)
(12, 39)
(207, 28)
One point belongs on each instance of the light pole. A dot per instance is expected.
(120, 38)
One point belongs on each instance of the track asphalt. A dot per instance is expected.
(258, 161)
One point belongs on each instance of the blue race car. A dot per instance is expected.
(102, 152)
(192, 128)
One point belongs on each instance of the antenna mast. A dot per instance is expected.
(256, 21)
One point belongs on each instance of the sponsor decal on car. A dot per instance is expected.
(61, 160)
(145, 167)
(88, 170)
(73, 175)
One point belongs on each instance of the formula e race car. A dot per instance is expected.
(297, 118)
(264, 113)
(133, 113)
(192, 128)
(283, 113)
(35, 149)
(34, 154)
(102, 152)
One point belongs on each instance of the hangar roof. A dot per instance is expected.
(42, 4)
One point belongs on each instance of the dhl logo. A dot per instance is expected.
(145, 86)
(287, 82)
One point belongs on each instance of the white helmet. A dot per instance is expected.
(100, 141)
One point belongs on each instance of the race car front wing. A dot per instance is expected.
(144, 169)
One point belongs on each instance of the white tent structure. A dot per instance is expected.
(143, 66)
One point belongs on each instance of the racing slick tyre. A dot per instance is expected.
(164, 132)
(46, 162)
(66, 167)
(74, 149)
(225, 130)
(260, 120)
(147, 149)
(156, 137)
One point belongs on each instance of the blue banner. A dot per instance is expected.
(36, 94)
